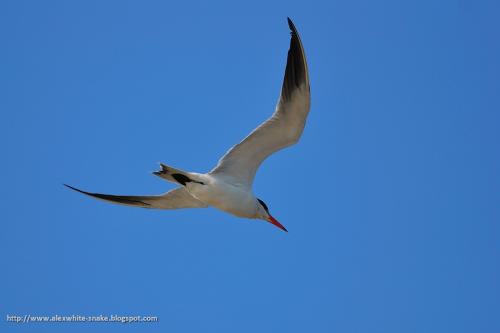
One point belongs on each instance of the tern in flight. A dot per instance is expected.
(228, 186)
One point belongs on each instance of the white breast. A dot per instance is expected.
(236, 200)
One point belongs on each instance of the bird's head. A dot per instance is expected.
(263, 214)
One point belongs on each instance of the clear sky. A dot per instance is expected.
(391, 198)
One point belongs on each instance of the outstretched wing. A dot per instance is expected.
(174, 199)
(283, 129)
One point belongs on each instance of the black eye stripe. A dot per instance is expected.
(263, 205)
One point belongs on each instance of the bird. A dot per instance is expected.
(228, 186)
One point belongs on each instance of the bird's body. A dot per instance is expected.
(232, 198)
(228, 186)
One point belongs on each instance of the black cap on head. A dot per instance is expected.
(263, 205)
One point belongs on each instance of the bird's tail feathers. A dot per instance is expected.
(174, 175)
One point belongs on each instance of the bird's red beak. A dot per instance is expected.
(276, 223)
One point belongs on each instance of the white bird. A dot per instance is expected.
(228, 186)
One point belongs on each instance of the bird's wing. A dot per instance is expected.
(283, 129)
(174, 199)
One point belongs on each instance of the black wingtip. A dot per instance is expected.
(78, 190)
(73, 188)
(296, 67)
(123, 199)
(291, 26)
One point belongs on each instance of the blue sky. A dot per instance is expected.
(391, 197)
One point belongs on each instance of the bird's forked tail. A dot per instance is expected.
(174, 175)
